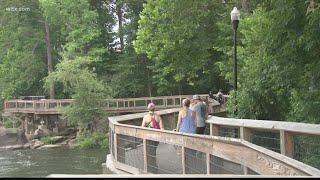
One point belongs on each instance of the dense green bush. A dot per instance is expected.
(95, 140)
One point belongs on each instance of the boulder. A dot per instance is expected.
(36, 144)
(73, 143)
(65, 142)
(12, 147)
(26, 146)
(50, 146)
(57, 139)
(2, 131)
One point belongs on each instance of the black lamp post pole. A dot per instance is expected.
(235, 24)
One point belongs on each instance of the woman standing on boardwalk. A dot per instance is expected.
(186, 119)
(152, 120)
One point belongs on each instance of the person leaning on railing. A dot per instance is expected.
(152, 120)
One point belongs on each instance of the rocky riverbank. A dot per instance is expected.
(58, 141)
(14, 139)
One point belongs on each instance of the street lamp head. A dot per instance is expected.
(235, 17)
(235, 14)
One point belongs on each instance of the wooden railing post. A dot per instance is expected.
(208, 163)
(214, 130)
(245, 134)
(286, 143)
(183, 158)
(145, 162)
(245, 169)
(115, 147)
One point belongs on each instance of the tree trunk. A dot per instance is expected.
(49, 57)
(149, 81)
(120, 19)
(245, 6)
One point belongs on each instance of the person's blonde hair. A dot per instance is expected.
(186, 102)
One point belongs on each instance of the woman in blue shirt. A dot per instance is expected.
(186, 119)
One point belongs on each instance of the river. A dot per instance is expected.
(40, 163)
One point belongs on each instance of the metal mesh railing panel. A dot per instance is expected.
(169, 102)
(252, 172)
(29, 105)
(307, 150)
(170, 121)
(163, 158)
(195, 162)
(158, 102)
(177, 101)
(268, 140)
(20, 104)
(232, 132)
(222, 166)
(141, 103)
(207, 130)
(53, 105)
(130, 151)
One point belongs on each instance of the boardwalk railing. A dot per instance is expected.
(137, 150)
(52, 106)
(299, 141)
(46, 106)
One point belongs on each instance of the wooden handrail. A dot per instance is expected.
(124, 104)
(294, 127)
(285, 130)
(259, 159)
(115, 99)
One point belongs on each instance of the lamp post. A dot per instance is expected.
(235, 17)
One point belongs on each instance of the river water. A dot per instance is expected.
(40, 163)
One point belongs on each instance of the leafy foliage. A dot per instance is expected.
(95, 140)
(178, 37)
(21, 63)
(78, 56)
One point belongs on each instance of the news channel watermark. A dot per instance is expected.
(18, 9)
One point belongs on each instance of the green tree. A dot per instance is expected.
(22, 64)
(132, 76)
(79, 56)
(275, 63)
(178, 38)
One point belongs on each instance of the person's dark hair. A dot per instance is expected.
(186, 102)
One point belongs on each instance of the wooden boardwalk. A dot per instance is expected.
(217, 153)
(125, 105)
